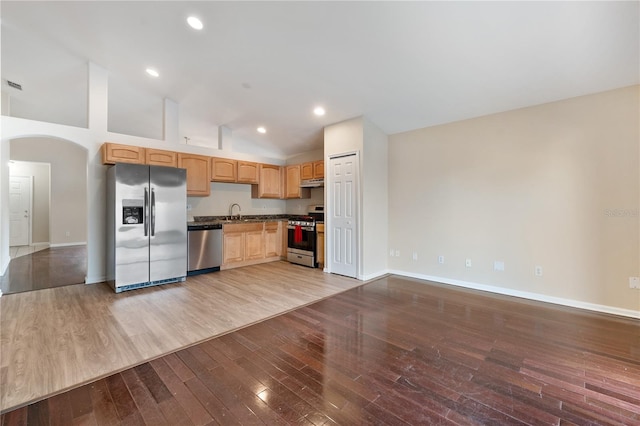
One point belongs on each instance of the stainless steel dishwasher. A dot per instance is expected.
(205, 248)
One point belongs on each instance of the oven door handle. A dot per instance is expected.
(304, 228)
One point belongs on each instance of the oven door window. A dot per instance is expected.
(307, 242)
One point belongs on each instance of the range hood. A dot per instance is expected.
(312, 183)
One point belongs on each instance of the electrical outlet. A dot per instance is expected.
(414, 256)
(67, 234)
(467, 263)
(391, 252)
(538, 271)
(188, 207)
(397, 253)
(498, 265)
(441, 259)
(634, 282)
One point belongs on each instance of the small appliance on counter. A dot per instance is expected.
(205, 248)
(302, 237)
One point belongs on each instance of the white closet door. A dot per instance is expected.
(343, 207)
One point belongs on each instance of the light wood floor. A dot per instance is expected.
(56, 339)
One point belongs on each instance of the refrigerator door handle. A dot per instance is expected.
(153, 212)
(146, 211)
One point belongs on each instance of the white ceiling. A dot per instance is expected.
(404, 65)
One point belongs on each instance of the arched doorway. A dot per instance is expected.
(64, 262)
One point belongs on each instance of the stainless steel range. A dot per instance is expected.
(302, 237)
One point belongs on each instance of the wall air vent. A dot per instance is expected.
(14, 85)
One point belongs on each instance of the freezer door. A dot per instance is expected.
(167, 223)
(131, 224)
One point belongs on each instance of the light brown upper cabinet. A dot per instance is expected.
(159, 157)
(268, 183)
(248, 172)
(292, 184)
(227, 170)
(318, 169)
(113, 153)
(312, 170)
(306, 171)
(223, 170)
(198, 173)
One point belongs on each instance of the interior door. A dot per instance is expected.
(19, 210)
(343, 210)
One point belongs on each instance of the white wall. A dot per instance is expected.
(375, 219)
(535, 186)
(360, 135)
(91, 139)
(40, 196)
(225, 194)
(4, 206)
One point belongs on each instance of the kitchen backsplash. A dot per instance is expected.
(225, 194)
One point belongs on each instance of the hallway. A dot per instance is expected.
(48, 268)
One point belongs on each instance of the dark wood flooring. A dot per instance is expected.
(52, 267)
(395, 351)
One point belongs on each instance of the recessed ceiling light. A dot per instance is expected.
(195, 23)
(152, 72)
(261, 130)
(319, 111)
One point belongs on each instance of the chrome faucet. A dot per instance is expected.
(231, 210)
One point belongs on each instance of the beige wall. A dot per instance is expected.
(40, 197)
(555, 185)
(68, 161)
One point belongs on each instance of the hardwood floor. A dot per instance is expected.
(53, 339)
(394, 351)
(51, 267)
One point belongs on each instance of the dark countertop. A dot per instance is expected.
(222, 220)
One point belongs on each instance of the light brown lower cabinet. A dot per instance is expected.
(247, 244)
(271, 239)
(284, 237)
(233, 243)
(254, 244)
(320, 244)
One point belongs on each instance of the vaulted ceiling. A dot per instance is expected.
(404, 65)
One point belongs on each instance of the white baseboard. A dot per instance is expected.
(95, 280)
(81, 243)
(524, 294)
(4, 265)
(374, 275)
(41, 244)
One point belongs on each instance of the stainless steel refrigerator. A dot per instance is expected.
(146, 226)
